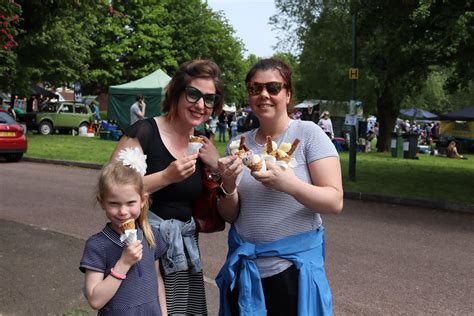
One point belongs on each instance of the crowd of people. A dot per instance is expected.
(156, 269)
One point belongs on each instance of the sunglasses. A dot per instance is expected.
(272, 87)
(210, 99)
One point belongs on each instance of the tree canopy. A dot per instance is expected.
(398, 44)
(102, 43)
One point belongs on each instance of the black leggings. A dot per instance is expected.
(281, 293)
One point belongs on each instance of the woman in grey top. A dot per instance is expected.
(267, 207)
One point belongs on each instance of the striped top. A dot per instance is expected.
(267, 215)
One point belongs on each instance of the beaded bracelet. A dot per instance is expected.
(116, 275)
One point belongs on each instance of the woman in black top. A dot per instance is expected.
(173, 176)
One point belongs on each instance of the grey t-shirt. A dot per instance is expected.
(267, 215)
(134, 110)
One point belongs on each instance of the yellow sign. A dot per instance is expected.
(353, 73)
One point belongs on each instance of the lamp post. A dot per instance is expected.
(353, 75)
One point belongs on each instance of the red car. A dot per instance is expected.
(13, 143)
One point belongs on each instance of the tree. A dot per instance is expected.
(53, 43)
(9, 21)
(398, 43)
(131, 40)
(198, 32)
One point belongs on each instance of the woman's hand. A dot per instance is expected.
(181, 169)
(209, 153)
(276, 177)
(230, 167)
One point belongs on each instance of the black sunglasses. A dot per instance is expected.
(272, 87)
(210, 99)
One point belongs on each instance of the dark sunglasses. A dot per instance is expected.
(272, 87)
(210, 99)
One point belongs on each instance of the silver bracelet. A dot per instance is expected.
(226, 193)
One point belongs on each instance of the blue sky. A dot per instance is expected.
(250, 21)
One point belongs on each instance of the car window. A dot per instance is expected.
(65, 108)
(5, 118)
(49, 108)
(80, 108)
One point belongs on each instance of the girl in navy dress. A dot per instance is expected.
(122, 275)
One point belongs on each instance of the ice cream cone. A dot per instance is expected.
(256, 166)
(128, 225)
(195, 139)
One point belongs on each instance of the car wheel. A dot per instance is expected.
(45, 128)
(13, 157)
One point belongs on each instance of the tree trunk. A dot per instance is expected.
(387, 116)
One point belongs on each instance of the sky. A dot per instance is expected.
(250, 19)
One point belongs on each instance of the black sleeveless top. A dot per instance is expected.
(175, 200)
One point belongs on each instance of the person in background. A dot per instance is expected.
(229, 119)
(452, 151)
(211, 128)
(233, 127)
(174, 176)
(326, 124)
(11, 110)
(241, 121)
(124, 275)
(222, 126)
(276, 241)
(370, 140)
(251, 121)
(309, 114)
(137, 110)
(34, 104)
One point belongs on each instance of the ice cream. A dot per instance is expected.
(254, 162)
(285, 151)
(128, 225)
(238, 147)
(270, 147)
(129, 232)
(195, 143)
(196, 139)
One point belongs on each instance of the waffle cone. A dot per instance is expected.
(285, 158)
(256, 166)
(196, 139)
(130, 224)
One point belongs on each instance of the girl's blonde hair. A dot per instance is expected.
(114, 174)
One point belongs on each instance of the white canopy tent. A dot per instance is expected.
(229, 108)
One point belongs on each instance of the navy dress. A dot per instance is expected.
(138, 293)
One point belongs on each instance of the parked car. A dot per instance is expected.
(13, 142)
(62, 116)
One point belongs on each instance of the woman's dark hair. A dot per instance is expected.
(198, 68)
(138, 98)
(273, 64)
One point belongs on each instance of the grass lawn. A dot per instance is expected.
(433, 178)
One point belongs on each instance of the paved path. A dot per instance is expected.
(381, 258)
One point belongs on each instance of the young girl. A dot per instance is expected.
(123, 279)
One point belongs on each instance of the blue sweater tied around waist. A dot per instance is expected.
(183, 253)
(305, 251)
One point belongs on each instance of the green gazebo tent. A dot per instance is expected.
(121, 97)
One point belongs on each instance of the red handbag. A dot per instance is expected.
(205, 213)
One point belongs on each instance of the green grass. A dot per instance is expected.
(433, 178)
(70, 148)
